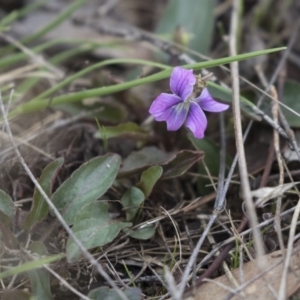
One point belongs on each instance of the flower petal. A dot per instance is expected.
(207, 103)
(182, 82)
(196, 120)
(174, 116)
(162, 103)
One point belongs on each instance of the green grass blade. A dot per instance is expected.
(16, 14)
(40, 33)
(17, 57)
(31, 265)
(93, 67)
(60, 18)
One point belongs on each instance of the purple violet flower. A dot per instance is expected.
(184, 105)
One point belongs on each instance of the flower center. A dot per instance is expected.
(197, 89)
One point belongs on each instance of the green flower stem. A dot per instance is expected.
(102, 91)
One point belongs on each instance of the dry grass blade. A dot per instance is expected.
(238, 131)
(288, 257)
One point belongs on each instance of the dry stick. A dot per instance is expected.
(289, 251)
(219, 203)
(87, 255)
(238, 131)
(171, 284)
(275, 110)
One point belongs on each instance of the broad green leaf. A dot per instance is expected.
(39, 208)
(173, 164)
(182, 161)
(86, 184)
(291, 98)
(31, 265)
(142, 159)
(131, 200)
(38, 248)
(40, 278)
(130, 130)
(141, 234)
(148, 179)
(7, 208)
(196, 19)
(94, 228)
(105, 293)
(211, 159)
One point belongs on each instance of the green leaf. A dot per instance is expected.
(174, 164)
(291, 98)
(40, 278)
(130, 130)
(132, 199)
(7, 208)
(141, 234)
(142, 159)
(212, 161)
(195, 17)
(31, 265)
(39, 208)
(182, 161)
(94, 228)
(105, 293)
(148, 179)
(38, 248)
(86, 184)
